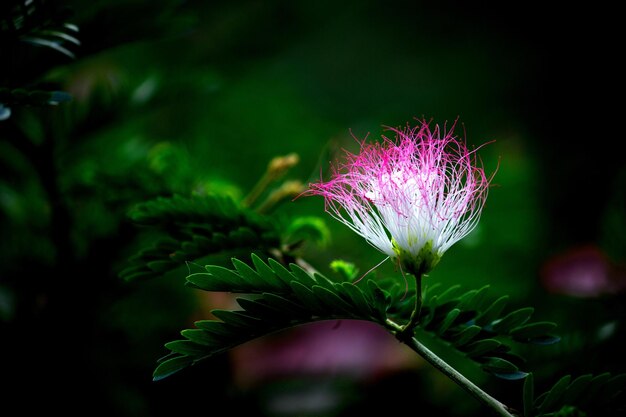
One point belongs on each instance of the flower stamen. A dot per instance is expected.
(412, 197)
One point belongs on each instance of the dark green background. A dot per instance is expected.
(175, 96)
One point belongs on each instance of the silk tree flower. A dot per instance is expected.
(412, 197)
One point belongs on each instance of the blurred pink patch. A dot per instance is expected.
(348, 348)
(583, 272)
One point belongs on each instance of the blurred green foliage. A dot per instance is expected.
(196, 97)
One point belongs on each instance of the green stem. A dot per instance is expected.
(258, 189)
(405, 334)
(457, 377)
(406, 331)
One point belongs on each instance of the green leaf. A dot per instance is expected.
(347, 270)
(185, 347)
(262, 310)
(305, 296)
(166, 244)
(467, 298)
(595, 386)
(236, 318)
(332, 301)
(28, 97)
(555, 394)
(430, 314)
(225, 278)
(448, 321)
(430, 289)
(449, 294)
(56, 97)
(540, 399)
(170, 367)
(48, 43)
(498, 365)
(136, 275)
(243, 236)
(192, 247)
(322, 281)
(545, 340)
(379, 299)
(179, 256)
(160, 266)
(532, 330)
(473, 300)
(576, 388)
(247, 273)
(210, 282)
(613, 387)
(282, 272)
(201, 242)
(218, 239)
(601, 379)
(151, 253)
(309, 228)
(194, 228)
(217, 328)
(511, 376)
(288, 307)
(529, 395)
(466, 335)
(513, 319)
(201, 337)
(481, 347)
(58, 34)
(439, 315)
(357, 298)
(493, 311)
(302, 276)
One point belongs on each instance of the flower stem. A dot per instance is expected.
(405, 334)
(258, 189)
(457, 377)
(406, 331)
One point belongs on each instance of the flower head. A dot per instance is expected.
(413, 197)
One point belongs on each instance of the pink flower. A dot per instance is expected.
(413, 197)
(583, 272)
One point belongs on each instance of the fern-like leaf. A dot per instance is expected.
(28, 97)
(478, 328)
(41, 23)
(467, 321)
(277, 298)
(194, 228)
(586, 395)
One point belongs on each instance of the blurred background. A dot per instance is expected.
(181, 96)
